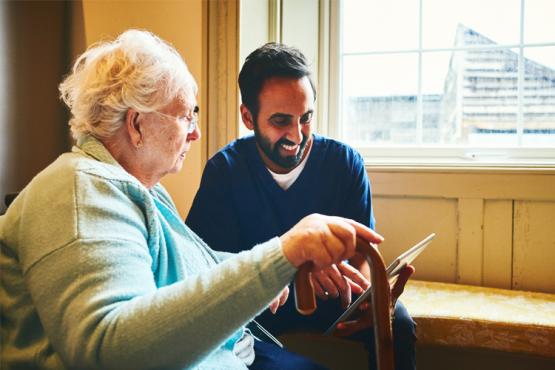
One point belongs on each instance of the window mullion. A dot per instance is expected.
(275, 19)
(419, 100)
(458, 48)
(520, 83)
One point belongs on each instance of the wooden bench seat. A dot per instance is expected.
(478, 317)
(474, 321)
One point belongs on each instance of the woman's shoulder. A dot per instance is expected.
(91, 190)
(51, 208)
(78, 181)
(74, 173)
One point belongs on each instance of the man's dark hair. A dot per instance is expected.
(270, 60)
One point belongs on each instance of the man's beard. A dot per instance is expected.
(273, 154)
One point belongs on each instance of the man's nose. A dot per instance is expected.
(295, 133)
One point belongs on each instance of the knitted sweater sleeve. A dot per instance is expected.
(98, 301)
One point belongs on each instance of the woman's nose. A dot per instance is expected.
(195, 135)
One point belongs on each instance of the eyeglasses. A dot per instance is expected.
(192, 123)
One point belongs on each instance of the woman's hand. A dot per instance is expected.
(324, 240)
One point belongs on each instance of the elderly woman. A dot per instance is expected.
(98, 269)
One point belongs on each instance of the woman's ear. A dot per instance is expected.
(134, 129)
(246, 116)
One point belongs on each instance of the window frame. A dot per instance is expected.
(420, 155)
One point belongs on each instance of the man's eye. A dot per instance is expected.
(306, 119)
(280, 121)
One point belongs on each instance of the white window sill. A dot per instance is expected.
(459, 160)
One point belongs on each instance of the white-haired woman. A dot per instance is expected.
(98, 269)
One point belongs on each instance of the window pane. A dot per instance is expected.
(490, 98)
(435, 70)
(470, 98)
(459, 89)
(379, 25)
(379, 99)
(539, 97)
(538, 22)
(496, 21)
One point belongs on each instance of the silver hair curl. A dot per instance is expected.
(138, 70)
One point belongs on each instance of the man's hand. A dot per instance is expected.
(279, 300)
(339, 281)
(347, 328)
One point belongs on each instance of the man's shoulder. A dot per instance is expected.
(328, 142)
(233, 155)
(331, 148)
(235, 149)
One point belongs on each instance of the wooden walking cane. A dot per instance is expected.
(380, 304)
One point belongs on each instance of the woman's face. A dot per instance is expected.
(166, 136)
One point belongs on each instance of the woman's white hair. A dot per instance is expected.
(137, 70)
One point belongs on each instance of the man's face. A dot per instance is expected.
(283, 125)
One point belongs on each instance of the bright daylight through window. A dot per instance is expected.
(458, 80)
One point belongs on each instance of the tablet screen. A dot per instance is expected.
(408, 256)
(392, 272)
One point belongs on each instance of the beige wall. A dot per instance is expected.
(181, 24)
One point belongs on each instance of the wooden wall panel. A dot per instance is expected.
(534, 246)
(496, 227)
(221, 74)
(470, 238)
(532, 185)
(498, 243)
(405, 221)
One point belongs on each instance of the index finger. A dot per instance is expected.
(365, 232)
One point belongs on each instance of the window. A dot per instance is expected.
(447, 81)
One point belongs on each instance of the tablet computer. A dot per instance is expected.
(392, 272)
